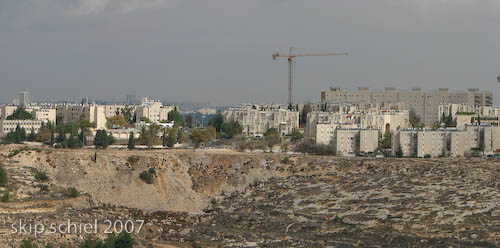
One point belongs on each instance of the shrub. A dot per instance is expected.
(133, 159)
(122, 240)
(27, 244)
(285, 160)
(5, 197)
(152, 171)
(3, 177)
(41, 176)
(146, 176)
(44, 188)
(73, 193)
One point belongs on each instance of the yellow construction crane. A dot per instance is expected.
(291, 59)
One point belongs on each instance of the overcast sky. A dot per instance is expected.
(220, 50)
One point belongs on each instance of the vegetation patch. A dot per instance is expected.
(146, 176)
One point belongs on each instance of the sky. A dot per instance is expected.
(219, 51)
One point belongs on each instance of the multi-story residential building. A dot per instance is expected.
(256, 121)
(449, 142)
(7, 110)
(432, 143)
(92, 113)
(325, 132)
(154, 111)
(405, 140)
(323, 119)
(45, 115)
(353, 141)
(385, 120)
(7, 126)
(425, 104)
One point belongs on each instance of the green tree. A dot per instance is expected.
(149, 136)
(131, 141)
(4, 179)
(387, 139)
(164, 138)
(217, 122)
(211, 132)
(303, 117)
(128, 114)
(32, 135)
(199, 137)
(102, 139)
(180, 136)
(44, 134)
(20, 134)
(413, 118)
(74, 142)
(116, 121)
(296, 136)
(172, 137)
(176, 117)
(20, 114)
(231, 129)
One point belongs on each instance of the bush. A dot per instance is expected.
(41, 176)
(133, 159)
(27, 244)
(73, 193)
(285, 160)
(122, 240)
(152, 171)
(5, 197)
(44, 188)
(3, 177)
(146, 176)
(318, 149)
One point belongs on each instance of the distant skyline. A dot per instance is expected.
(220, 51)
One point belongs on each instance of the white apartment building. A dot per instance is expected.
(7, 126)
(154, 111)
(321, 119)
(352, 141)
(92, 113)
(45, 115)
(386, 120)
(425, 104)
(449, 142)
(256, 122)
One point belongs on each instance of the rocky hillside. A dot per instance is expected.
(229, 199)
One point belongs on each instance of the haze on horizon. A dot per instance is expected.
(219, 51)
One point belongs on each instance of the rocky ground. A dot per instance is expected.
(229, 199)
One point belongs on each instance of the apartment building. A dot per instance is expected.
(92, 113)
(7, 126)
(256, 121)
(425, 104)
(385, 120)
(353, 141)
(325, 132)
(154, 111)
(45, 115)
(324, 119)
(448, 142)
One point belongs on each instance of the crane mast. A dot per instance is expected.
(291, 59)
